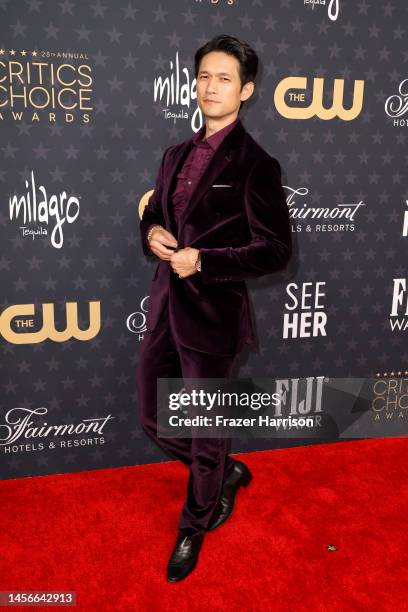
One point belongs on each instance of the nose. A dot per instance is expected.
(211, 85)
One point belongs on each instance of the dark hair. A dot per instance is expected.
(246, 56)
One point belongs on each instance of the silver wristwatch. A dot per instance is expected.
(198, 263)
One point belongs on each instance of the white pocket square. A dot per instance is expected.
(222, 185)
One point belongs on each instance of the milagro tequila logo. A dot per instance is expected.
(40, 212)
(333, 7)
(397, 105)
(19, 425)
(178, 89)
(340, 218)
(216, 2)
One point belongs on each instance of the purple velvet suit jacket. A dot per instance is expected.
(238, 217)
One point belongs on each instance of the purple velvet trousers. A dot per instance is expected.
(207, 458)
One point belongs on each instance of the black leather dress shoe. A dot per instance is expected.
(240, 477)
(184, 557)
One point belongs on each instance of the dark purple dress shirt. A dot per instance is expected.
(195, 164)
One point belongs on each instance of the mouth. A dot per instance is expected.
(206, 100)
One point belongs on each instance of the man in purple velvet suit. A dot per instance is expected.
(217, 216)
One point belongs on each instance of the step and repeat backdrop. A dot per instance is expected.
(91, 94)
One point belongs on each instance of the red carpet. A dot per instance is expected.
(107, 534)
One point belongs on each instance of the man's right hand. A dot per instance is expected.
(159, 241)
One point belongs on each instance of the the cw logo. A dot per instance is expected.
(316, 107)
(48, 330)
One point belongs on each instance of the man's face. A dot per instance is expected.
(219, 90)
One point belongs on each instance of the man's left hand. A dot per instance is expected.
(183, 261)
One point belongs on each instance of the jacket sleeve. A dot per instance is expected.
(153, 211)
(270, 247)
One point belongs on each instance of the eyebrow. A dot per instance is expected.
(219, 73)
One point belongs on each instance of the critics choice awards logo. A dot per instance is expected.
(390, 398)
(45, 85)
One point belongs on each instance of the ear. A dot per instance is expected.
(247, 91)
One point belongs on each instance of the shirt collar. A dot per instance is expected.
(215, 139)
